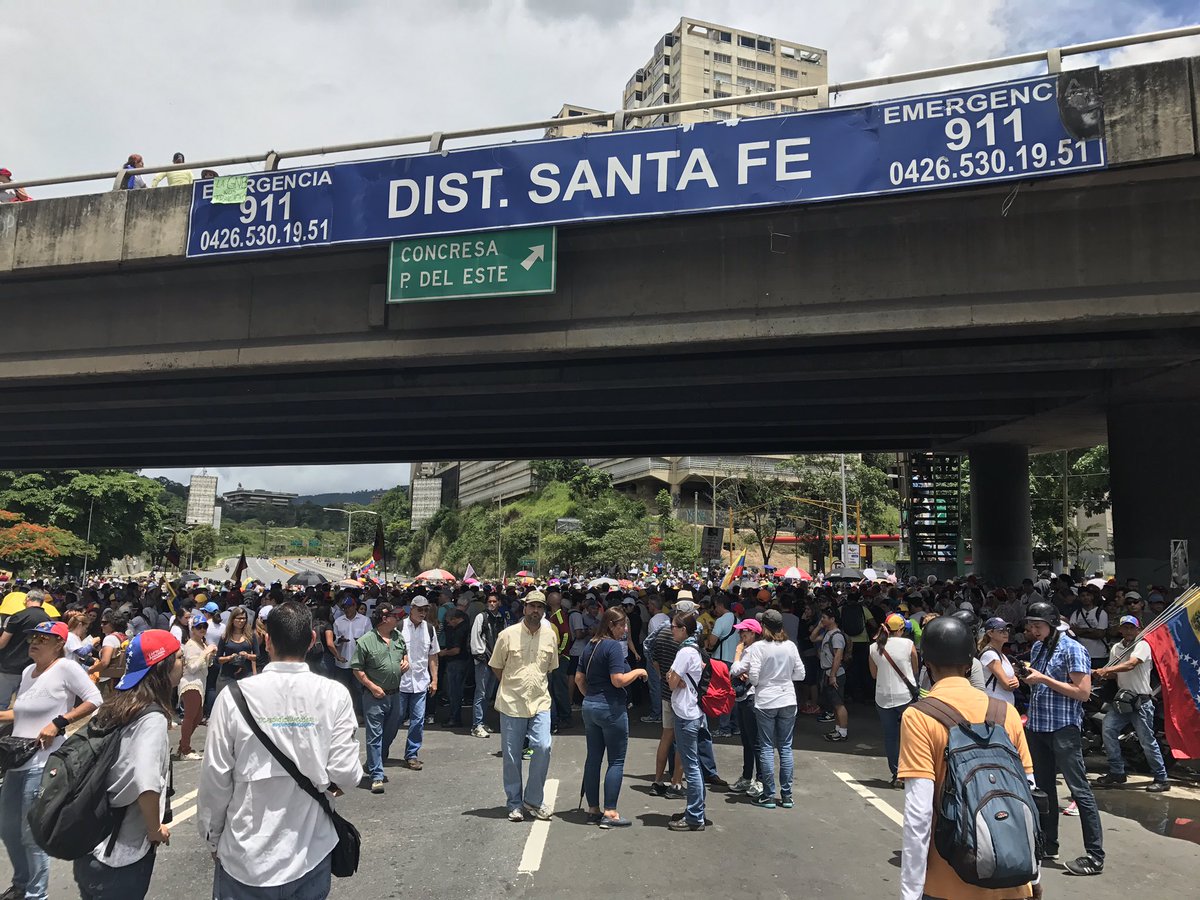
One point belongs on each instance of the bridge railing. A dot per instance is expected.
(619, 119)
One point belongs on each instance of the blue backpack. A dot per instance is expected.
(987, 826)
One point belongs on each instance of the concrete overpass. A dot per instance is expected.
(995, 320)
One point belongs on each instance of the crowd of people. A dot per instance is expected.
(707, 663)
(131, 182)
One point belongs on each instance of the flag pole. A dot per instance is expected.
(1163, 617)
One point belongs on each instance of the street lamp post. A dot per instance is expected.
(88, 539)
(350, 514)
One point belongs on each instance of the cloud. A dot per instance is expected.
(298, 479)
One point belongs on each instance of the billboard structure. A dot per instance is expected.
(202, 500)
(426, 500)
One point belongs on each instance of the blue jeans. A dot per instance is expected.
(704, 749)
(383, 721)
(687, 739)
(485, 680)
(311, 886)
(96, 881)
(412, 707)
(1142, 718)
(560, 695)
(30, 864)
(655, 690)
(1062, 751)
(456, 681)
(514, 732)
(751, 743)
(775, 727)
(890, 720)
(607, 725)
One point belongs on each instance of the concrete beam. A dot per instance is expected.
(71, 231)
(8, 234)
(156, 223)
(1149, 112)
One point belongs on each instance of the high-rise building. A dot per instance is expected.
(201, 500)
(703, 61)
(568, 128)
(245, 497)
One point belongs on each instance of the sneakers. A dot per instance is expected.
(538, 812)
(528, 753)
(1110, 780)
(415, 764)
(741, 786)
(764, 802)
(1050, 852)
(1085, 865)
(825, 718)
(1157, 787)
(716, 781)
(754, 790)
(1071, 809)
(786, 801)
(514, 815)
(610, 822)
(376, 787)
(480, 732)
(651, 720)
(658, 789)
(684, 825)
(896, 782)
(676, 792)
(721, 733)
(836, 737)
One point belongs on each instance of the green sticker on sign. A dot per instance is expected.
(478, 264)
(229, 189)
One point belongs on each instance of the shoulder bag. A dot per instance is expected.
(912, 688)
(344, 859)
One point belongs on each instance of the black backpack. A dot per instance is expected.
(71, 813)
(853, 621)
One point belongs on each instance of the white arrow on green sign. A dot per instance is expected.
(478, 264)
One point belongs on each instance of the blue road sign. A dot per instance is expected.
(1017, 130)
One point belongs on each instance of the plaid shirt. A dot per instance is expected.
(1048, 709)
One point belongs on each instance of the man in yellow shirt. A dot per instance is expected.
(524, 655)
(948, 647)
(176, 178)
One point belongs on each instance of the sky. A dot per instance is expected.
(87, 85)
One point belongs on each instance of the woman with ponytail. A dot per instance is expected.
(893, 663)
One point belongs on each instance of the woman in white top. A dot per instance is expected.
(44, 706)
(893, 663)
(1000, 680)
(197, 653)
(79, 642)
(773, 665)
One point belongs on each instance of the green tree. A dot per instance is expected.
(818, 478)
(202, 540)
(28, 545)
(1086, 484)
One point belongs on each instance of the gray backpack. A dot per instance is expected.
(987, 827)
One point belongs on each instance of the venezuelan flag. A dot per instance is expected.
(734, 572)
(367, 568)
(1176, 646)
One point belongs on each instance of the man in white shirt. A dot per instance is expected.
(264, 830)
(347, 629)
(1133, 675)
(1089, 624)
(421, 679)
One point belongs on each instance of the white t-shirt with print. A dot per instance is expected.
(690, 667)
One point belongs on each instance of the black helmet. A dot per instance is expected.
(946, 641)
(1043, 612)
(968, 618)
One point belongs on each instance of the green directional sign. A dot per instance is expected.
(527, 563)
(479, 264)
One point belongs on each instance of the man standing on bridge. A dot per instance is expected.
(525, 654)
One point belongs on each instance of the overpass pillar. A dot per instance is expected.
(1154, 482)
(1001, 532)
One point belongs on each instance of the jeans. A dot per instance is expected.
(312, 886)
(383, 721)
(1062, 751)
(96, 881)
(687, 739)
(751, 741)
(704, 749)
(607, 726)
(560, 696)
(890, 720)
(456, 681)
(775, 728)
(346, 677)
(1143, 723)
(412, 707)
(30, 864)
(514, 733)
(485, 680)
(656, 697)
(9, 683)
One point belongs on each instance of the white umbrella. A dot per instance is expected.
(611, 582)
(1097, 582)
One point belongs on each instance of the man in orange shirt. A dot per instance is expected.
(948, 648)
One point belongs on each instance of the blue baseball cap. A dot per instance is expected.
(198, 621)
(1131, 620)
(211, 607)
(146, 651)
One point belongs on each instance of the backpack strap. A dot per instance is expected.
(940, 711)
(997, 712)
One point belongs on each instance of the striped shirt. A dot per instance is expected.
(1048, 709)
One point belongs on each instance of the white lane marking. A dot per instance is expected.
(183, 816)
(186, 798)
(535, 844)
(888, 810)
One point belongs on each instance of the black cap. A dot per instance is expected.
(1042, 612)
(947, 642)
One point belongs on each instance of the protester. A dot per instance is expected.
(684, 678)
(197, 655)
(419, 679)
(112, 653)
(133, 182)
(1000, 679)
(237, 652)
(602, 680)
(948, 647)
(50, 696)
(140, 779)
(14, 644)
(773, 667)
(1130, 662)
(454, 661)
(1089, 624)
(832, 654)
(560, 690)
(16, 195)
(177, 178)
(893, 664)
(347, 629)
(268, 836)
(484, 631)
(722, 643)
(525, 654)
(1060, 679)
(380, 659)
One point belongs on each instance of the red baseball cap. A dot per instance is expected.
(57, 629)
(6, 173)
(146, 651)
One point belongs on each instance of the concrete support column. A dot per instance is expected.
(1155, 487)
(1001, 533)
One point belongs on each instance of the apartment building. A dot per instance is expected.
(569, 128)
